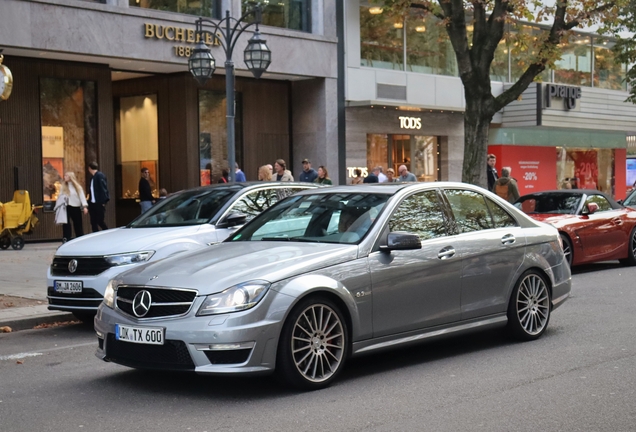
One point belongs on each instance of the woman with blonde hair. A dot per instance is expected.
(323, 176)
(73, 200)
(264, 173)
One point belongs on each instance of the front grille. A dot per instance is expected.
(165, 302)
(172, 354)
(228, 357)
(87, 298)
(85, 266)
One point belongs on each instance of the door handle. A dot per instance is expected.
(508, 239)
(617, 221)
(446, 253)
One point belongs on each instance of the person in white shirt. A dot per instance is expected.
(378, 172)
(72, 194)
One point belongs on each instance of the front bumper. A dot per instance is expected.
(236, 343)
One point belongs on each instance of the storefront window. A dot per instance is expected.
(290, 14)
(608, 74)
(206, 8)
(381, 39)
(575, 66)
(69, 131)
(428, 48)
(420, 154)
(137, 144)
(585, 169)
(377, 151)
(213, 135)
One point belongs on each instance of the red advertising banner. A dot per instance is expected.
(534, 168)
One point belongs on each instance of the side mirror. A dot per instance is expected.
(591, 208)
(401, 241)
(231, 220)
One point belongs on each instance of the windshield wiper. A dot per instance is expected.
(275, 239)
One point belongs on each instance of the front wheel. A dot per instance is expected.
(314, 344)
(529, 307)
(631, 249)
(567, 249)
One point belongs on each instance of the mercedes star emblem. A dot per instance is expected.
(141, 303)
(72, 265)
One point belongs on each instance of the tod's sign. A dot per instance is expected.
(568, 94)
(410, 122)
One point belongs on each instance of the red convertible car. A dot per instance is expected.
(593, 226)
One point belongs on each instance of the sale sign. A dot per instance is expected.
(534, 168)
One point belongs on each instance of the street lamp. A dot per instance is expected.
(201, 63)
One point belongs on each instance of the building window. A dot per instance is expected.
(585, 169)
(206, 8)
(420, 154)
(575, 66)
(213, 135)
(289, 14)
(428, 48)
(137, 144)
(608, 74)
(69, 131)
(381, 40)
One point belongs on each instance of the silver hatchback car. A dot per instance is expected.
(331, 273)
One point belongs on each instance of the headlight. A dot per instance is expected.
(237, 298)
(109, 294)
(129, 258)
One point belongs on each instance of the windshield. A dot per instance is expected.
(187, 208)
(552, 203)
(320, 218)
(630, 200)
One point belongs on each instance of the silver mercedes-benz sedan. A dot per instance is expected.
(331, 273)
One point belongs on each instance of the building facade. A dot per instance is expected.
(405, 105)
(108, 81)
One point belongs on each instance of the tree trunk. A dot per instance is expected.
(477, 120)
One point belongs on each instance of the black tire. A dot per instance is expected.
(631, 250)
(314, 344)
(87, 318)
(5, 242)
(529, 307)
(567, 249)
(17, 243)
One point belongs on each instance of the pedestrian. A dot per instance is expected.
(145, 192)
(358, 177)
(370, 178)
(323, 176)
(566, 184)
(264, 173)
(390, 176)
(73, 200)
(308, 174)
(281, 171)
(491, 171)
(271, 170)
(405, 175)
(225, 176)
(99, 197)
(239, 176)
(506, 187)
(378, 172)
(163, 194)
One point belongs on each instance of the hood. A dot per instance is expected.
(224, 265)
(503, 180)
(553, 219)
(121, 240)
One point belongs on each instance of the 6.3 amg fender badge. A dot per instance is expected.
(141, 303)
(72, 266)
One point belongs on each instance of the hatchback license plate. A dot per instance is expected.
(68, 287)
(141, 335)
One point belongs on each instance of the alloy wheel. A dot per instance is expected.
(318, 343)
(533, 304)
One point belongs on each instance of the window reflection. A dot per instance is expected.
(420, 214)
(290, 14)
(470, 210)
(608, 74)
(428, 47)
(575, 66)
(381, 40)
(585, 169)
(501, 218)
(206, 8)
(603, 204)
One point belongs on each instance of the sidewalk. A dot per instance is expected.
(23, 274)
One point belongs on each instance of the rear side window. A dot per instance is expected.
(470, 210)
(501, 217)
(420, 214)
(603, 204)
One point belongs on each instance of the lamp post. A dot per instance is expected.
(257, 57)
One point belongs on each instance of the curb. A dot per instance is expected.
(27, 323)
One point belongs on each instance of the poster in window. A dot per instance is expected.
(52, 161)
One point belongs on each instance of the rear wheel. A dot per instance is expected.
(567, 249)
(529, 307)
(17, 243)
(314, 344)
(5, 242)
(631, 249)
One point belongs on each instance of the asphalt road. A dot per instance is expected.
(581, 376)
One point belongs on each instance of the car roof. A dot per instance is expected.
(392, 188)
(246, 185)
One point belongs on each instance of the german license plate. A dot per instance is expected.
(141, 335)
(68, 287)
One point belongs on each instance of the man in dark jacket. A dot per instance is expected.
(491, 171)
(98, 198)
(309, 174)
(371, 178)
(145, 192)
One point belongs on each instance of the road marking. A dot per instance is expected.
(41, 352)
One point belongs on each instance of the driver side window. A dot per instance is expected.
(603, 204)
(420, 214)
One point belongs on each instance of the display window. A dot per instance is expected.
(420, 154)
(579, 168)
(69, 131)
